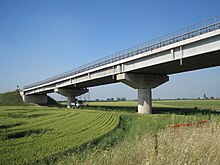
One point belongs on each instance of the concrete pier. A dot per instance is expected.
(143, 83)
(71, 94)
(144, 101)
(71, 99)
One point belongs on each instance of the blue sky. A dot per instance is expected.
(42, 38)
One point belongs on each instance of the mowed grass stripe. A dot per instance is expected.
(40, 122)
(28, 140)
(95, 123)
(104, 126)
(58, 123)
(84, 127)
(99, 123)
(40, 118)
(78, 137)
(76, 130)
(93, 131)
(79, 125)
(110, 124)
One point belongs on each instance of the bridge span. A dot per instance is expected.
(142, 67)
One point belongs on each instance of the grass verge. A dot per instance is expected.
(11, 98)
(132, 128)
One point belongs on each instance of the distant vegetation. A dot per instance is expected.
(194, 104)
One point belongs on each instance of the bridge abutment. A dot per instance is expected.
(35, 98)
(144, 83)
(71, 94)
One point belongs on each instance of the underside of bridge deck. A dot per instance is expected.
(188, 64)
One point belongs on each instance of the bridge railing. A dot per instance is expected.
(182, 34)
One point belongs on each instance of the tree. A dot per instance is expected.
(123, 99)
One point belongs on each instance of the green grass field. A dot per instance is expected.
(36, 134)
(200, 104)
(112, 135)
(138, 143)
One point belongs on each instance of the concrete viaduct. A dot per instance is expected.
(142, 67)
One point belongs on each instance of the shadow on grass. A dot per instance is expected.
(158, 110)
(184, 111)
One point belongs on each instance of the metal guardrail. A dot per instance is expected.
(197, 29)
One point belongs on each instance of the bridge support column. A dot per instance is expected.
(71, 99)
(144, 101)
(71, 94)
(144, 83)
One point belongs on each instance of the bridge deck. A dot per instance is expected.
(187, 33)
